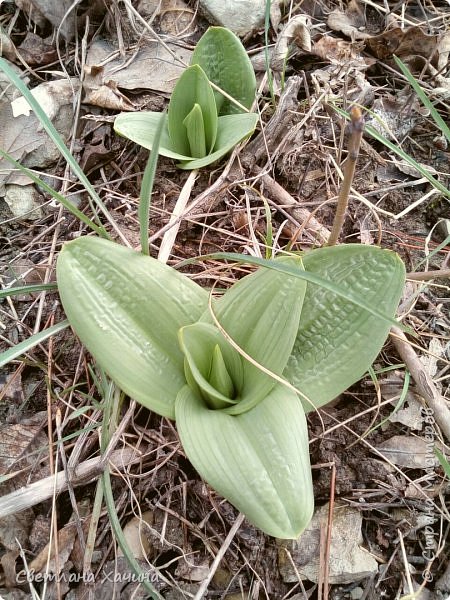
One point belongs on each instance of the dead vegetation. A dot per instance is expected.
(382, 523)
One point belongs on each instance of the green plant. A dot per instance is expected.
(208, 110)
(231, 370)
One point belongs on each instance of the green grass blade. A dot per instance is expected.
(397, 150)
(57, 140)
(444, 462)
(27, 289)
(57, 196)
(148, 179)
(141, 575)
(31, 342)
(442, 245)
(307, 276)
(425, 100)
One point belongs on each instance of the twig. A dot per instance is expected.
(425, 385)
(356, 129)
(202, 589)
(427, 275)
(42, 490)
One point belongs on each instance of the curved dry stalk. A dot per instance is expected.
(356, 128)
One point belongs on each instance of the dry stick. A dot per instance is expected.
(284, 198)
(425, 385)
(427, 275)
(42, 490)
(203, 588)
(356, 128)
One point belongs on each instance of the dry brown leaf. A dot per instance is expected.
(36, 51)
(103, 93)
(66, 540)
(408, 451)
(56, 11)
(350, 22)
(151, 67)
(23, 136)
(176, 18)
(30, 9)
(403, 43)
(341, 52)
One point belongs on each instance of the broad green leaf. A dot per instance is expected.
(337, 341)
(141, 128)
(195, 130)
(261, 314)
(127, 309)
(192, 88)
(258, 460)
(231, 130)
(199, 343)
(223, 58)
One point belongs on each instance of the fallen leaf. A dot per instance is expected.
(133, 71)
(36, 51)
(23, 136)
(402, 43)
(341, 52)
(408, 451)
(60, 13)
(350, 22)
(103, 93)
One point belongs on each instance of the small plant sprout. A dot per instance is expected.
(208, 111)
(237, 373)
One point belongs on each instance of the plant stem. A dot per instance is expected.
(356, 130)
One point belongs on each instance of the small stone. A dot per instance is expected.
(24, 201)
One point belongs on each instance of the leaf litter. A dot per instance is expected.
(129, 65)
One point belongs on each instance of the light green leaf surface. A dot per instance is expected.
(192, 88)
(232, 129)
(258, 460)
(337, 340)
(195, 129)
(127, 309)
(199, 342)
(141, 129)
(223, 58)
(261, 313)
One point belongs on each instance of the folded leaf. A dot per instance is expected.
(223, 58)
(141, 129)
(192, 88)
(258, 460)
(199, 343)
(195, 130)
(261, 313)
(337, 341)
(231, 130)
(127, 309)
